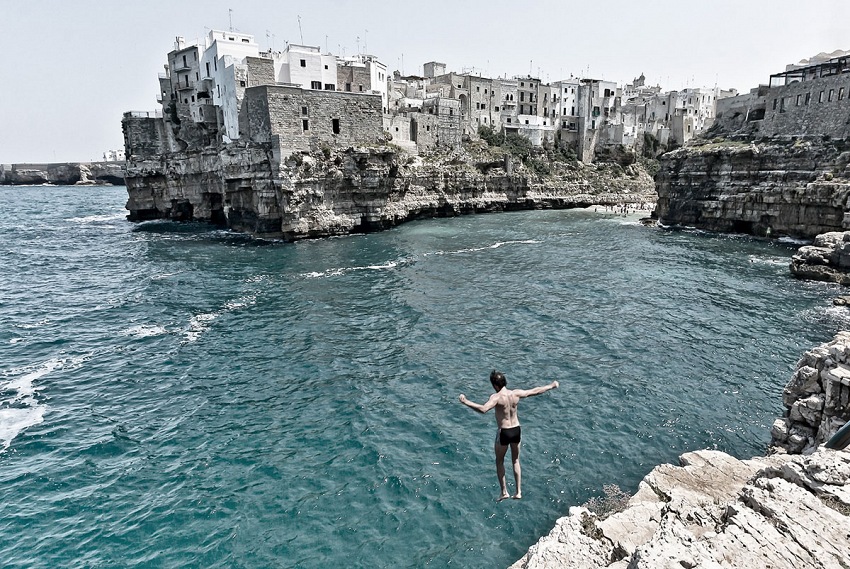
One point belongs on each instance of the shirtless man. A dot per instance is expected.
(508, 434)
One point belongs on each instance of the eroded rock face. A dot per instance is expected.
(793, 187)
(251, 189)
(817, 398)
(64, 174)
(782, 511)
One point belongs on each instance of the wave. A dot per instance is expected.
(200, 323)
(493, 246)
(118, 216)
(342, 270)
(778, 261)
(20, 407)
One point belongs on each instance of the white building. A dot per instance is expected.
(307, 67)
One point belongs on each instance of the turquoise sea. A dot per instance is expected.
(182, 396)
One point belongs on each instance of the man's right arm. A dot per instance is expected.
(480, 408)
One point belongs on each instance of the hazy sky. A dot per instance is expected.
(72, 67)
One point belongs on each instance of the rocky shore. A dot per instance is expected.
(63, 174)
(780, 511)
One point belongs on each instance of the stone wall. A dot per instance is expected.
(260, 71)
(819, 107)
(145, 136)
(353, 78)
(303, 119)
(817, 398)
(789, 187)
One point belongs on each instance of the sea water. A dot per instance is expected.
(177, 395)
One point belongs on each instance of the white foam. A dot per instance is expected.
(198, 324)
(342, 270)
(98, 218)
(778, 261)
(38, 324)
(19, 405)
(145, 331)
(493, 246)
(793, 241)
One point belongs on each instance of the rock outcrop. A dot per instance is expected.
(782, 511)
(63, 174)
(783, 186)
(826, 259)
(817, 398)
(334, 192)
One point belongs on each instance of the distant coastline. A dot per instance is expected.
(105, 173)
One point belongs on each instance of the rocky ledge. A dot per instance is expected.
(786, 510)
(782, 511)
(826, 259)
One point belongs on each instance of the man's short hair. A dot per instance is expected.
(498, 379)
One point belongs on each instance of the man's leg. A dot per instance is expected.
(517, 469)
(501, 451)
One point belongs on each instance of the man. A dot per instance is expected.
(505, 402)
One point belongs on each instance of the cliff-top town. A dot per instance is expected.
(231, 90)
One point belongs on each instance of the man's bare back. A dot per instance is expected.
(505, 401)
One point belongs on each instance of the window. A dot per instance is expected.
(428, 128)
(304, 64)
(477, 89)
(526, 121)
(330, 87)
(316, 85)
(808, 98)
(782, 105)
(244, 40)
(184, 61)
(305, 125)
(840, 93)
(496, 109)
(241, 83)
(326, 66)
(361, 88)
(348, 87)
(304, 111)
(451, 112)
(831, 93)
(774, 104)
(193, 98)
(799, 99)
(215, 64)
(820, 97)
(509, 120)
(485, 91)
(522, 96)
(208, 68)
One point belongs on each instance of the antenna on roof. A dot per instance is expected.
(230, 15)
(299, 30)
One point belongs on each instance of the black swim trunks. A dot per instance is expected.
(510, 435)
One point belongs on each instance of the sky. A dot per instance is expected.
(71, 68)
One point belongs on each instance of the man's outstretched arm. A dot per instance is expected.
(480, 408)
(536, 390)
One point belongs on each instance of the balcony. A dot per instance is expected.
(184, 87)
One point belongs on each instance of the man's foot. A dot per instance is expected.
(517, 496)
(504, 496)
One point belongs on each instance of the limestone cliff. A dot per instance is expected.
(793, 186)
(333, 192)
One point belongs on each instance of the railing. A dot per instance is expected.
(143, 114)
